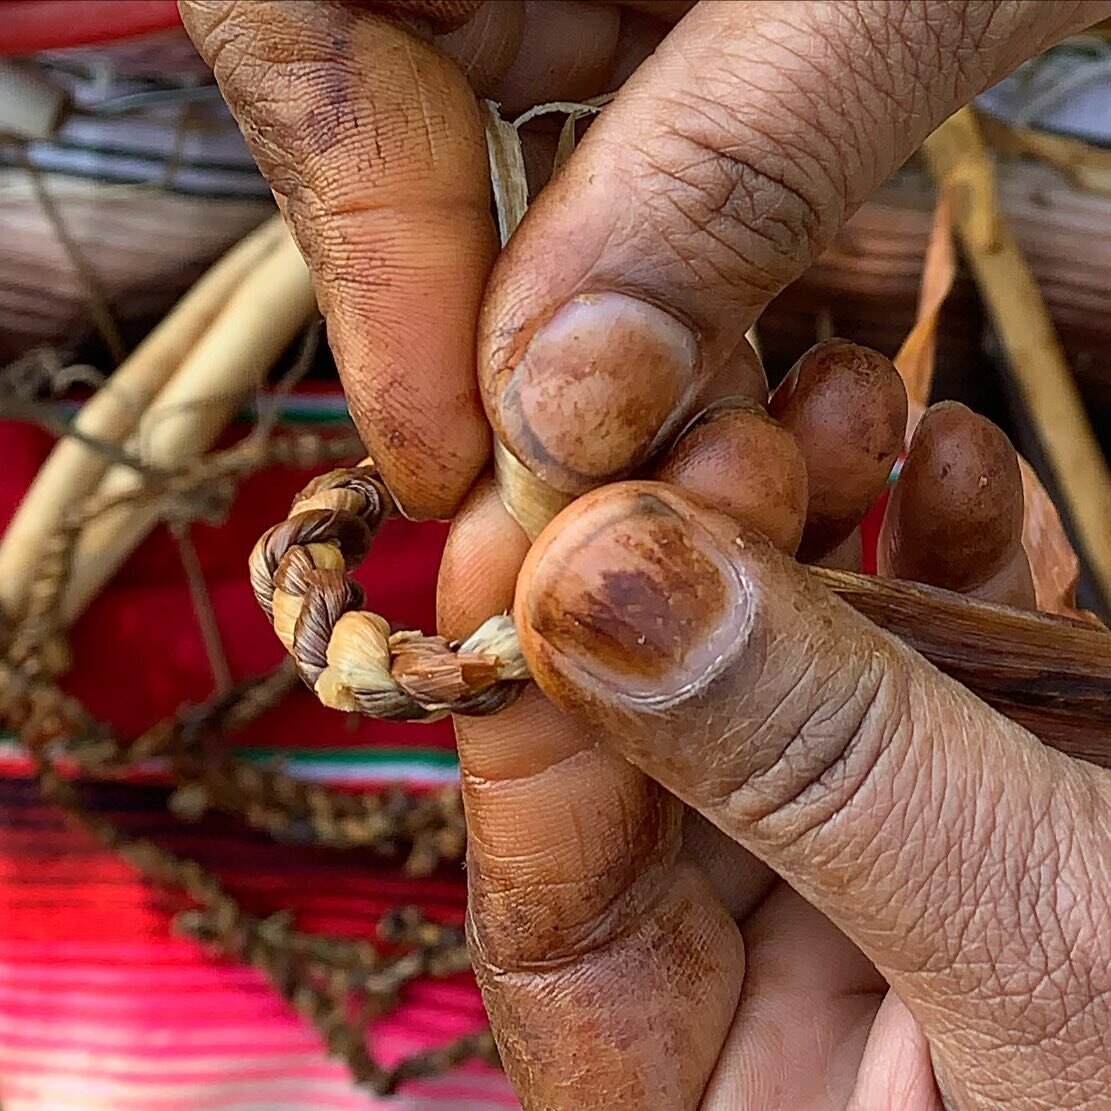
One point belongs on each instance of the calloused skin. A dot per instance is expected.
(740, 849)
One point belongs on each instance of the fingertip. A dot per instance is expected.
(847, 406)
(478, 571)
(1011, 585)
(740, 375)
(639, 35)
(566, 52)
(372, 140)
(628, 594)
(486, 45)
(955, 515)
(430, 16)
(743, 463)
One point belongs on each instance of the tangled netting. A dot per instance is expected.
(340, 985)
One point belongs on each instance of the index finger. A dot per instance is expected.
(588, 928)
(372, 142)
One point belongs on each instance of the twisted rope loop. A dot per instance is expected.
(301, 574)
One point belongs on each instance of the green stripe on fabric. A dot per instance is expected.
(351, 757)
(322, 409)
(364, 757)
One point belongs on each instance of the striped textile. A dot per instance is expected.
(99, 1007)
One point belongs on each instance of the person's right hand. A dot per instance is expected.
(746, 851)
(727, 162)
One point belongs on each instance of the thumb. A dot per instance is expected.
(969, 862)
(724, 166)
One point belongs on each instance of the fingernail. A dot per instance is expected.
(634, 595)
(955, 516)
(596, 388)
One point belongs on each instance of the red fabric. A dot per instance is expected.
(139, 650)
(28, 26)
(870, 532)
(92, 1014)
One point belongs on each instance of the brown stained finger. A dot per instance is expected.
(955, 515)
(566, 53)
(638, 38)
(847, 556)
(1050, 674)
(724, 671)
(670, 11)
(444, 16)
(539, 145)
(1011, 585)
(372, 140)
(714, 178)
(438, 17)
(740, 461)
(586, 928)
(741, 375)
(478, 570)
(486, 45)
(847, 406)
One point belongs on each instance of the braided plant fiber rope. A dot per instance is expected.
(301, 576)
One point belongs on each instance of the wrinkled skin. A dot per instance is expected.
(740, 849)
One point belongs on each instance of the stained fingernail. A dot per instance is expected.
(955, 516)
(634, 595)
(596, 388)
(743, 463)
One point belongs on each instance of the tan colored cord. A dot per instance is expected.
(349, 657)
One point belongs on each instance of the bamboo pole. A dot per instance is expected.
(229, 363)
(960, 162)
(74, 468)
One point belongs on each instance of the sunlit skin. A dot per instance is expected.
(739, 849)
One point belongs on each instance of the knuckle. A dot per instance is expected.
(530, 911)
(748, 214)
(817, 771)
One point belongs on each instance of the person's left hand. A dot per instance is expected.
(749, 851)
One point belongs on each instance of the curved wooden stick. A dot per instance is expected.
(1050, 674)
(74, 469)
(229, 361)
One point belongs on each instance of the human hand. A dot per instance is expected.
(605, 913)
(751, 852)
(726, 163)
